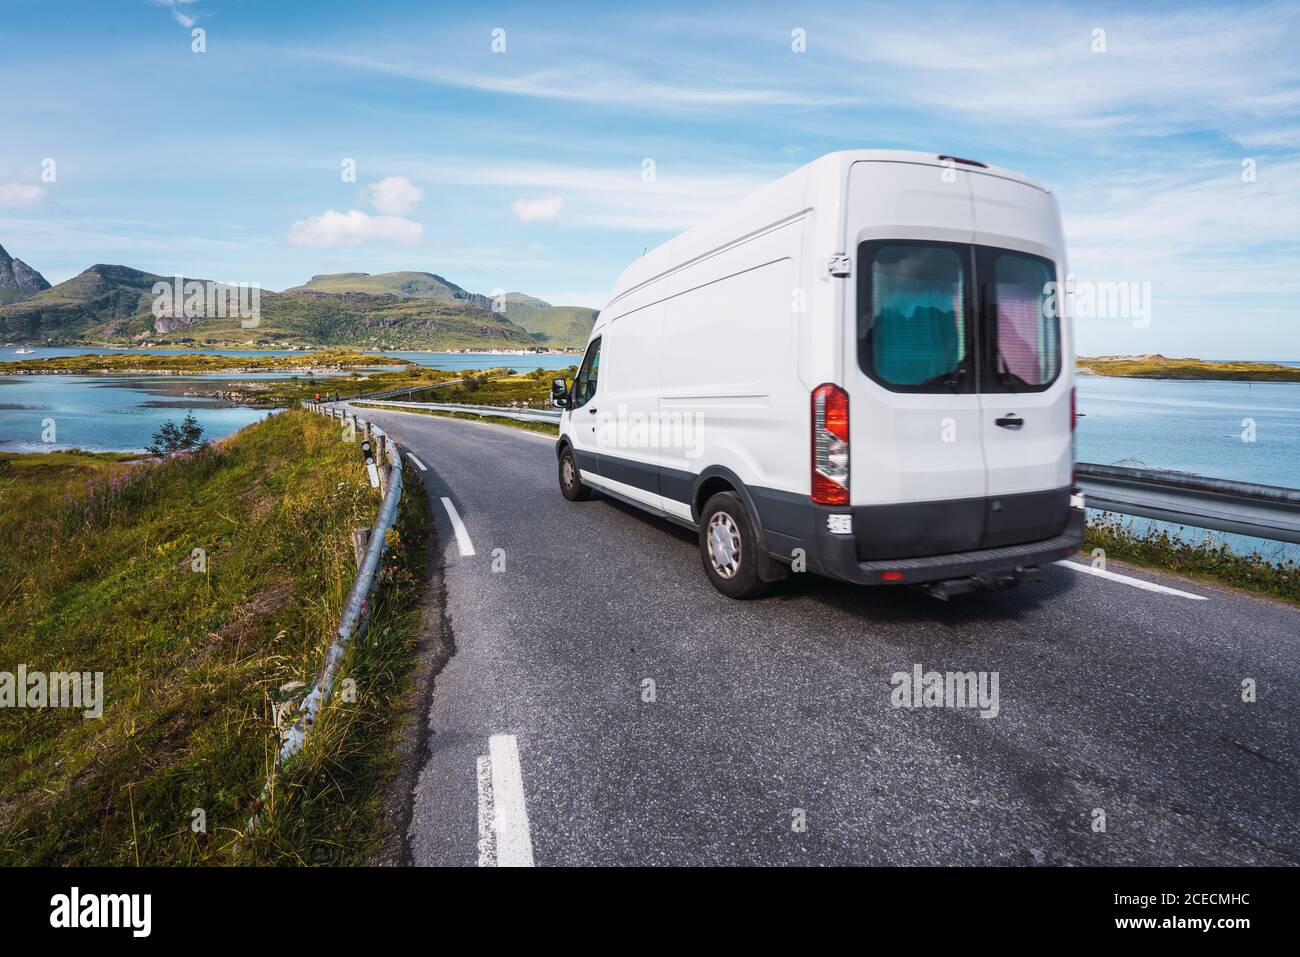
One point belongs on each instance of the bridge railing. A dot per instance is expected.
(1244, 508)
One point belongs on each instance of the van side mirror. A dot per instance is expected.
(559, 394)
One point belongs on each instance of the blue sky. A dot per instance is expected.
(522, 169)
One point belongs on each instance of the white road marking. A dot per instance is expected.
(462, 535)
(487, 841)
(418, 464)
(514, 841)
(1135, 582)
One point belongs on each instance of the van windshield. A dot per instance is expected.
(913, 314)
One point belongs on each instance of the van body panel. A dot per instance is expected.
(731, 395)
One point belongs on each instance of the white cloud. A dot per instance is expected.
(332, 228)
(18, 194)
(597, 83)
(184, 19)
(395, 195)
(1191, 69)
(537, 210)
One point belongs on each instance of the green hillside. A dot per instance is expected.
(416, 285)
(112, 304)
(557, 327)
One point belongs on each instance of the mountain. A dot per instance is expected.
(114, 304)
(414, 285)
(559, 327)
(17, 279)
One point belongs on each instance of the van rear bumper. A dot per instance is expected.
(838, 559)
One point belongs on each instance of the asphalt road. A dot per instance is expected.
(1111, 700)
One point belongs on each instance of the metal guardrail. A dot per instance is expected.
(504, 412)
(356, 610)
(1243, 508)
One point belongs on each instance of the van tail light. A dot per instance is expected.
(830, 445)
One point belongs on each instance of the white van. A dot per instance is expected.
(859, 371)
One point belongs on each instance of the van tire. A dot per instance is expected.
(570, 478)
(729, 547)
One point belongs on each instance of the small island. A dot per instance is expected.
(1156, 366)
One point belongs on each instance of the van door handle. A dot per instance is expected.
(592, 411)
(1010, 421)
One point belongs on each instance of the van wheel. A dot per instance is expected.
(570, 481)
(729, 547)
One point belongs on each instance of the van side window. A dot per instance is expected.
(584, 386)
(1024, 348)
(914, 315)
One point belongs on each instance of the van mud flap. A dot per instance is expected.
(985, 581)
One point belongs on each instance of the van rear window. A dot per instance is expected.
(913, 322)
(927, 309)
(1025, 347)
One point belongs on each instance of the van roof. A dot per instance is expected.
(785, 198)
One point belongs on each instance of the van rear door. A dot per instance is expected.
(1026, 375)
(918, 476)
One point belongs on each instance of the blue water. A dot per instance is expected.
(1192, 427)
(104, 414)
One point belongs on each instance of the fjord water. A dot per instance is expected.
(1193, 426)
(108, 414)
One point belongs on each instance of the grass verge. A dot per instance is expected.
(101, 577)
(1206, 558)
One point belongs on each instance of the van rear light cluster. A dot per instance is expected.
(830, 445)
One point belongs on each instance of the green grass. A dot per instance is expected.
(1205, 558)
(1162, 367)
(97, 577)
